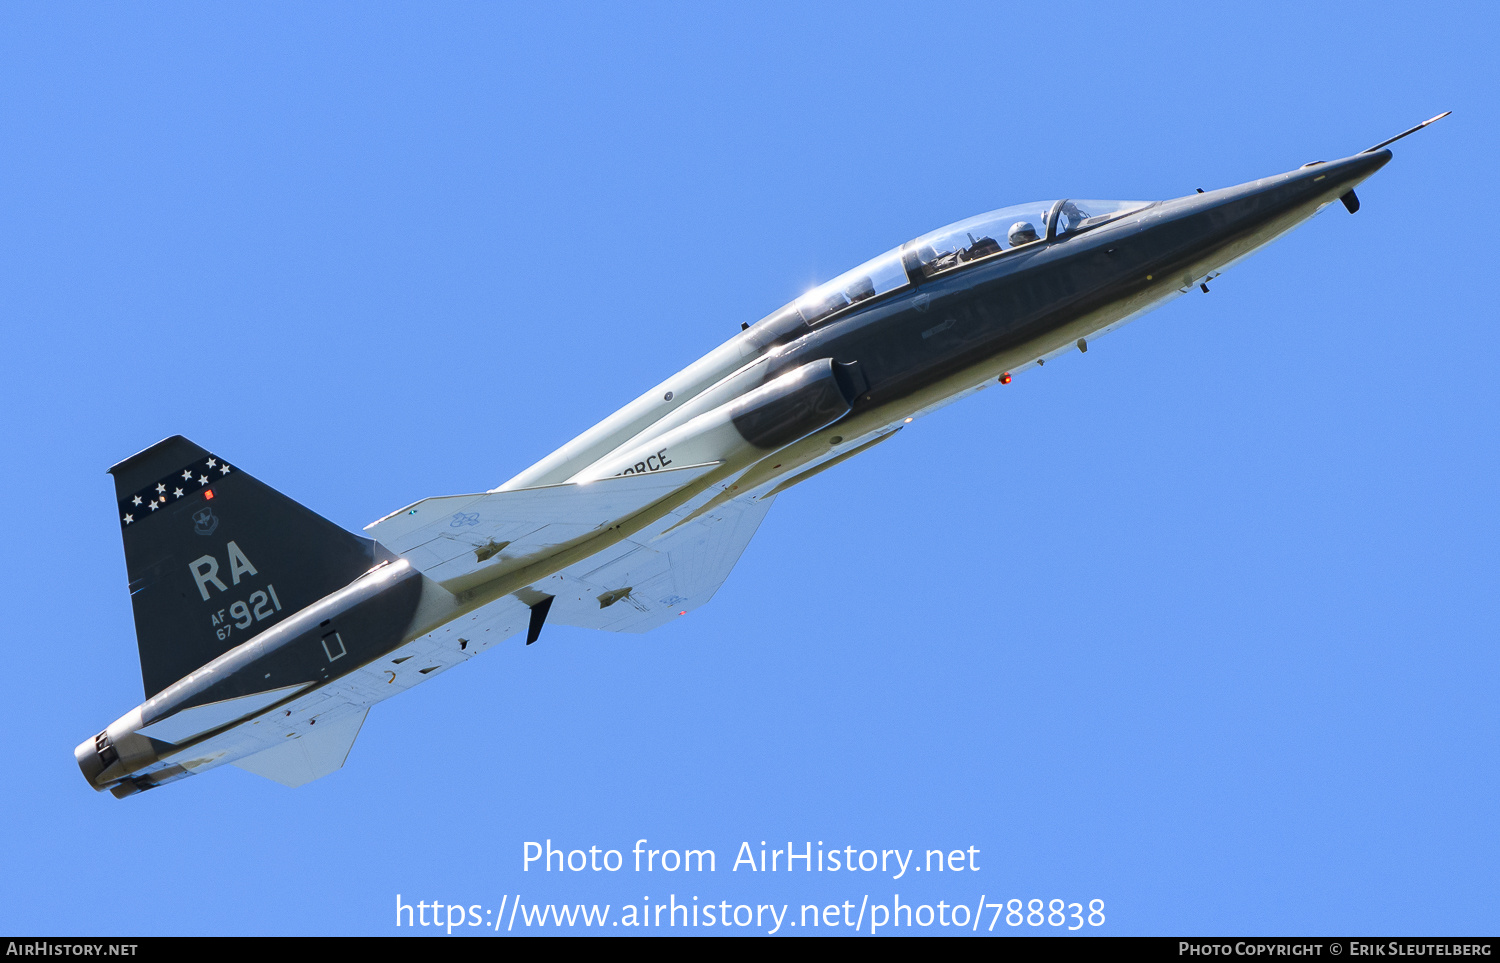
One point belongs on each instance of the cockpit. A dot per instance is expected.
(871, 279)
(960, 245)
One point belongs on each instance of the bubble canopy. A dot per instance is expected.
(958, 245)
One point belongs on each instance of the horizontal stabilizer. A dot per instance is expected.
(454, 536)
(315, 753)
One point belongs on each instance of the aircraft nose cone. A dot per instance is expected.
(1191, 237)
(1268, 203)
(1352, 170)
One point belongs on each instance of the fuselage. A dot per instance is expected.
(821, 379)
(930, 339)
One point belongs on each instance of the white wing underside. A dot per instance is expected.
(646, 581)
(634, 586)
(462, 537)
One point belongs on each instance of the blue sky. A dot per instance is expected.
(1202, 625)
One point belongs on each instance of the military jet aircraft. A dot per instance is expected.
(266, 632)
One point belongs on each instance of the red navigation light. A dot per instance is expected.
(208, 494)
(1005, 378)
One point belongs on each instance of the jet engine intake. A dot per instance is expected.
(741, 431)
(805, 400)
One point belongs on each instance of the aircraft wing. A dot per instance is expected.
(640, 583)
(454, 536)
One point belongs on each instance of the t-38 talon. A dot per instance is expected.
(266, 632)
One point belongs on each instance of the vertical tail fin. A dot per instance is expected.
(215, 556)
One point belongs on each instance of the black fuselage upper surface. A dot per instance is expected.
(939, 327)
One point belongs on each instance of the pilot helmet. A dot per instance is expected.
(1021, 232)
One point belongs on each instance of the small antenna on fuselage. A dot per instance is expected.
(1405, 132)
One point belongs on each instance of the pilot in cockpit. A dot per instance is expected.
(1021, 232)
